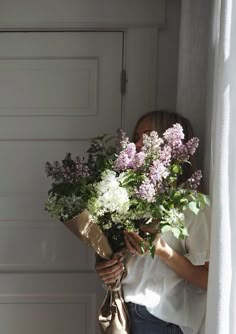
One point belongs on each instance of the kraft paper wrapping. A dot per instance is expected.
(85, 228)
(113, 315)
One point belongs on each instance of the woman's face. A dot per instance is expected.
(143, 127)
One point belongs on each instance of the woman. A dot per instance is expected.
(166, 294)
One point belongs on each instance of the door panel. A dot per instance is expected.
(57, 91)
(59, 85)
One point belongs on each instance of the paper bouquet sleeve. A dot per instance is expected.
(85, 228)
(113, 315)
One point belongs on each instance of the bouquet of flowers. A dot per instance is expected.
(118, 188)
(121, 188)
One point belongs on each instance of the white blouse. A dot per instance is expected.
(150, 282)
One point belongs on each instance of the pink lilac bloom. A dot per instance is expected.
(192, 145)
(174, 135)
(194, 181)
(146, 191)
(158, 172)
(126, 158)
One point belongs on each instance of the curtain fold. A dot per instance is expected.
(221, 300)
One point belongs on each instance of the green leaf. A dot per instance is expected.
(184, 231)
(166, 228)
(142, 246)
(176, 232)
(152, 250)
(206, 199)
(177, 169)
(193, 207)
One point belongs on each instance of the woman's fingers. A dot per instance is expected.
(109, 271)
(129, 245)
(105, 264)
(134, 242)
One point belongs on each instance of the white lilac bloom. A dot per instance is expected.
(152, 143)
(121, 140)
(111, 197)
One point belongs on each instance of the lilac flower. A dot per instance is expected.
(194, 181)
(165, 155)
(146, 191)
(174, 135)
(139, 160)
(96, 146)
(158, 172)
(121, 140)
(152, 143)
(68, 171)
(192, 145)
(54, 170)
(126, 158)
(180, 152)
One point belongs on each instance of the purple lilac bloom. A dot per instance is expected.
(158, 172)
(67, 171)
(121, 140)
(194, 181)
(165, 155)
(174, 135)
(126, 158)
(180, 152)
(192, 145)
(54, 170)
(139, 160)
(81, 168)
(95, 146)
(146, 191)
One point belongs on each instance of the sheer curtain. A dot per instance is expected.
(221, 303)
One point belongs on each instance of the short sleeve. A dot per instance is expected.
(197, 243)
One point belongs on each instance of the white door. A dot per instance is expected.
(57, 91)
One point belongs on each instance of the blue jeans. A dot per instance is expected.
(142, 322)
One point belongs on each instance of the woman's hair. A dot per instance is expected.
(161, 121)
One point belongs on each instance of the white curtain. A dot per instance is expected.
(221, 303)
(192, 69)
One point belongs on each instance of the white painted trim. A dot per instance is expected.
(81, 14)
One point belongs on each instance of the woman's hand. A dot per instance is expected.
(135, 244)
(110, 270)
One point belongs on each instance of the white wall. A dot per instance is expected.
(168, 49)
(165, 58)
